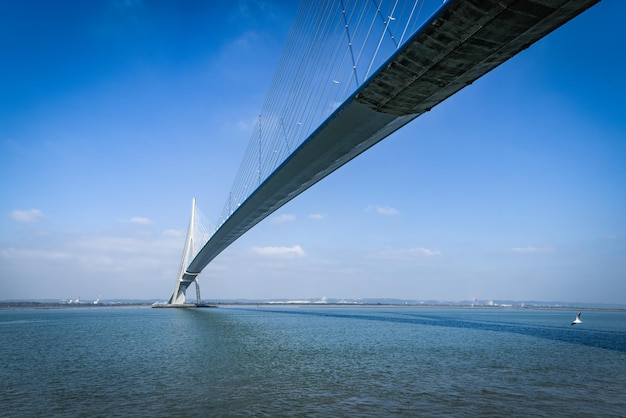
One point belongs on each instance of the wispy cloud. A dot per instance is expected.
(280, 252)
(246, 125)
(175, 233)
(406, 253)
(112, 253)
(532, 250)
(246, 41)
(317, 216)
(138, 220)
(111, 244)
(31, 215)
(32, 254)
(382, 210)
(283, 219)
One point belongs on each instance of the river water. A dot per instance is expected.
(311, 361)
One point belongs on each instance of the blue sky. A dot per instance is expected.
(114, 114)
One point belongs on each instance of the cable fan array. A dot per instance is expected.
(332, 48)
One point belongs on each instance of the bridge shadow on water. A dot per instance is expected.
(605, 339)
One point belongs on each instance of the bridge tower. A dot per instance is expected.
(183, 280)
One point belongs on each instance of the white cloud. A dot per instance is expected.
(532, 250)
(175, 233)
(280, 252)
(31, 215)
(317, 216)
(124, 255)
(283, 219)
(407, 253)
(138, 220)
(383, 210)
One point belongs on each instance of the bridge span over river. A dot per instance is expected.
(352, 73)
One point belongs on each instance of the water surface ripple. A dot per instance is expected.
(310, 361)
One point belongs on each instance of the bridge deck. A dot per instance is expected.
(463, 41)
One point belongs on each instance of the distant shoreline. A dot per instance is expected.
(54, 305)
(64, 305)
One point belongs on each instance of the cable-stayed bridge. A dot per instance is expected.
(353, 72)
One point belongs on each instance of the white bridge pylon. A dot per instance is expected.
(197, 236)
